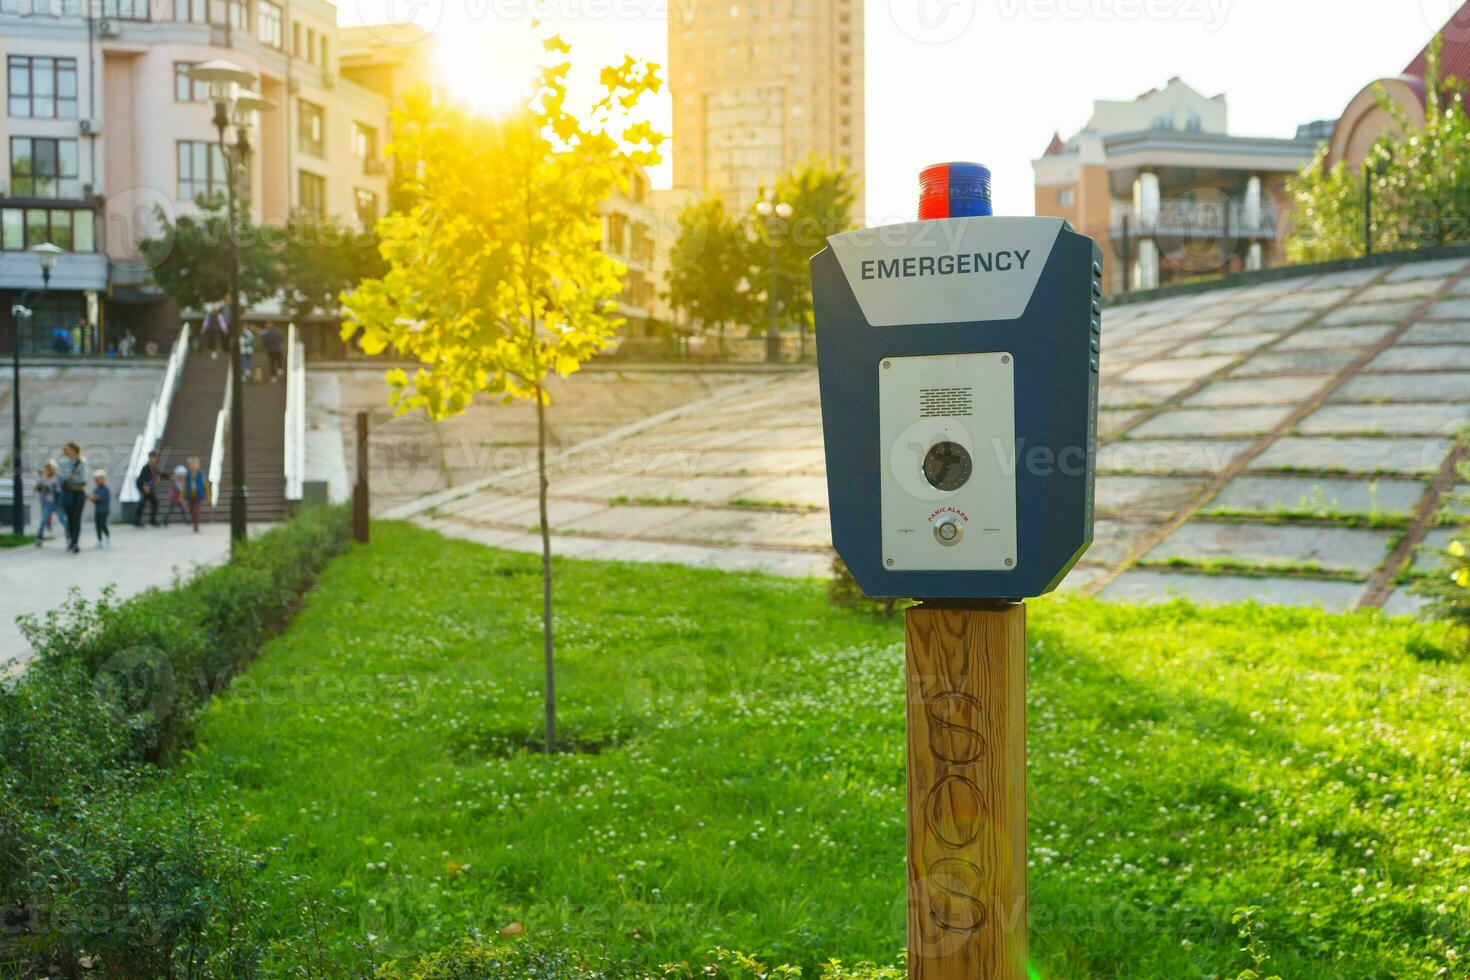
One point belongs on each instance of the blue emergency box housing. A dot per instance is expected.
(958, 363)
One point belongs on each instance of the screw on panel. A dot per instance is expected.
(1010, 562)
(887, 365)
(889, 563)
(1005, 358)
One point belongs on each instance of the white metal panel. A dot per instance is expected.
(968, 400)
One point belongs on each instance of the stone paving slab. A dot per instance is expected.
(1402, 289)
(1306, 302)
(1438, 269)
(1237, 344)
(1402, 602)
(630, 520)
(1440, 386)
(1110, 422)
(1452, 307)
(1347, 549)
(1319, 495)
(1375, 313)
(1409, 456)
(1212, 422)
(1178, 369)
(1435, 358)
(1440, 331)
(1399, 418)
(1146, 586)
(1295, 362)
(1342, 280)
(1285, 390)
(1357, 338)
(1115, 540)
(1127, 394)
(1165, 456)
(1264, 323)
(1145, 494)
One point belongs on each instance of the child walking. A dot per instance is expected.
(176, 497)
(196, 490)
(102, 508)
(48, 493)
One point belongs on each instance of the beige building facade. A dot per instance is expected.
(760, 85)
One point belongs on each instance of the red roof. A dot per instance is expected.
(1454, 57)
(1057, 146)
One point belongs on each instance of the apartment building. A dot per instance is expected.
(1169, 191)
(759, 85)
(102, 125)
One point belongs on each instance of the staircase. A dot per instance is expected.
(190, 432)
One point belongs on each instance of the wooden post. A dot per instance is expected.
(360, 488)
(966, 672)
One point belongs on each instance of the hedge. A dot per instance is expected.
(105, 867)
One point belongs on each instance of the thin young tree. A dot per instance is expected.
(496, 277)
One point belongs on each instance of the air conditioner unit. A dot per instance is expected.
(89, 127)
(107, 28)
(87, 190)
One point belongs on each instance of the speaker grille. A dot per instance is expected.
(946, 402)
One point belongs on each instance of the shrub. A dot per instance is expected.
(844, 591)
(104, 867)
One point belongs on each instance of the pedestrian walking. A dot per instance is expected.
(176, 496)
(147, 484)
(275, 348)
(214, 330)
(73, 475)
(48, 496)
(196, 490)
(247, 351)
(102, 508)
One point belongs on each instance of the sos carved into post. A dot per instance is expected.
(958, 360)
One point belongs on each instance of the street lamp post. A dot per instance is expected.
(234, 105)
(46, 254)
(775, 213)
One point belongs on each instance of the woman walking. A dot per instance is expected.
(73, 475)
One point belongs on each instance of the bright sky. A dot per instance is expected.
(983, 80)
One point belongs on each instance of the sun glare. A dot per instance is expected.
(488, 71)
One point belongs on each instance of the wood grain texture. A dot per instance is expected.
(966, 674)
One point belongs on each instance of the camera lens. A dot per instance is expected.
(947, 466)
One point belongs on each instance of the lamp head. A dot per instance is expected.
(248, 104)
(783, 210)
(47, 254)
(764, 208)
(224, 78)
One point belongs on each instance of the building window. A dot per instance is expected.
(43, 168)
(68, 228)
(239, 15)
(364, 141)
(295, 40)
(42, 88)
(325, 63)
(125, 9)
(1067, 197)
(311, 193)
(269, 23)
(1192, 122)
(366, 204)
(1165, 121)
(311, 128)
(311, 45)
(202, 170)
(191, 11)
(185, 88)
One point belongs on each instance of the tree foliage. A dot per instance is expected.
(307, 262)
(822, 199)
(709, 268)
(1420, 181)
(190, 258)
(495, 275)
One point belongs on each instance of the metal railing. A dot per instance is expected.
(294, 464)
(157, 420)
(1207, 219)
(217, 450)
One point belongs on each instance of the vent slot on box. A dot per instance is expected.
(946, 402)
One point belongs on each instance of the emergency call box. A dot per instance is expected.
(958, 365)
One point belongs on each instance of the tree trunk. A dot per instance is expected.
(545, 572)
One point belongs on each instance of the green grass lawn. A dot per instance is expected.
(742, 779)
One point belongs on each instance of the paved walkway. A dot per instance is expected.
(37, 579)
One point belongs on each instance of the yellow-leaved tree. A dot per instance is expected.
(496, 277)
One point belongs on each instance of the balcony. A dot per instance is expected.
(1197, 220)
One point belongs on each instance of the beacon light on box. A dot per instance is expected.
(958, 360)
